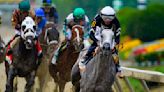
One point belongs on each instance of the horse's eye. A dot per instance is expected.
(101, 36)
(34, 27)
(23, 27)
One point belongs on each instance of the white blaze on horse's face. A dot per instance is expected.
(28, 28)
(107, 36)
(77, 34)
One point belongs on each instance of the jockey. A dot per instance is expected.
(17, 18)
(77, 17)
(106, 19)
(50, 11)
(41, 20)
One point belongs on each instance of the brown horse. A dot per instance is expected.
(49, 40)
(67, 57)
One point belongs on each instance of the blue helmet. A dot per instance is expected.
(47, 2)
(39, 12)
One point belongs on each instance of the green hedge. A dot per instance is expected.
(152, 57)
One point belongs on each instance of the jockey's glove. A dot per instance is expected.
(9, 52)
(117, 46)
(18, 26)
(40, 55)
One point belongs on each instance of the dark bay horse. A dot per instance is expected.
(49, 39)
(100, 71)
(67, 57)
(24, 57)
(2, 50)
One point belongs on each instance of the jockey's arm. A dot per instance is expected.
(92, 35)
(65, 27)
(14, 20)
(93, 30)
(41, 26)
(86, 28)
(117, 31)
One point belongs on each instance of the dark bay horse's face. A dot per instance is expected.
(107, 42)
(28, 31)
(51, 37)
(77, 37)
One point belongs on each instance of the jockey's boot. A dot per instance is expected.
(55, 57)
(10, 46)
(118, 68)
(57, 52)
(85, 60)
(39, 49)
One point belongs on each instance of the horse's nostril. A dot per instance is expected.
(106, 46)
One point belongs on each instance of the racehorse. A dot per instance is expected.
(100, 71)
(49, 39)
(2, 50)
(67, 57)
(24, 63)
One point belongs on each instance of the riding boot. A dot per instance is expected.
(87, 57)
(39, 49)
(118, 68)
(55, 56)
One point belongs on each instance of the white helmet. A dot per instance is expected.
(107, 10)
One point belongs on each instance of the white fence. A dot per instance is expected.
(141, 75)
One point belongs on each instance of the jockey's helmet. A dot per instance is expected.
(24, 5)
(79, 13)
(107, 14)
(47, 2)
(39, 12)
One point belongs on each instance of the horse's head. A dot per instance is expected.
(51, 37)
(28, 31)
(107, 42)
(77, 37)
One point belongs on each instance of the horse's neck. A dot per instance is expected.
(103, 62)
(70, 48)
(22, 47)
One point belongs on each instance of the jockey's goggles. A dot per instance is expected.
(79, 19)
(104, 17)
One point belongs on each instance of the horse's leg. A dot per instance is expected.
(77, 87)
(75, 77)
(61, 85)
(43, 80)
(30, 81)
(15, 84)
(10, 78)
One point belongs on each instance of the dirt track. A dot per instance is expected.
(6, 34)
